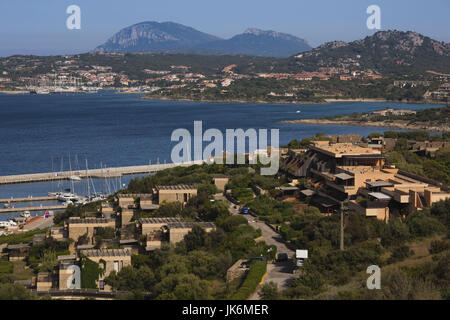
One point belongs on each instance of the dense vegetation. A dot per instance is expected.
(430, 117)
(196, 267)
(368, 242)
(437, 169)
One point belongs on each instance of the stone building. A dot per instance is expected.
(79, 227)
(110, 260)
(180, 193)
(177, 230)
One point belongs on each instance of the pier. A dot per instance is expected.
(92, 173)
(28, 199)
(35, 208)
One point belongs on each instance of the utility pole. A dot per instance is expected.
(342, 225)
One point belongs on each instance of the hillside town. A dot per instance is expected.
(347, 182)
(77, 74)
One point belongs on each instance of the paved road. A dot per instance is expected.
(40, 223)
(278, 272)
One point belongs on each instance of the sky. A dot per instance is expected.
(39, 26)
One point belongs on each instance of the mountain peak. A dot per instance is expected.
(259, 32)
(389, 50)
(171, 37)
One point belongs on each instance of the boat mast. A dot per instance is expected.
(70, 168)
(87, 177)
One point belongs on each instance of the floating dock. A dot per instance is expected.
(92, 173)
(28, 199)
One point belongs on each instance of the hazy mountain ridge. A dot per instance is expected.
(169, 37)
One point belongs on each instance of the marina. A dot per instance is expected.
(90, 173)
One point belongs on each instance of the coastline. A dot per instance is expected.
(229, 100)
(13, 92)
(383, 124)
(325, 101)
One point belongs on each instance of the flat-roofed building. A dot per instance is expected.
(349, 179)
(177, 230)
(18, 252)
(432, 196)
(147, 203)
(180, 193)
(125, 216)
(110, 260)
(44, 281)
(348, 154)
(79, 227)
(149, 225)
(107, 209)
(58, 233)
(126, 200)
(376, 205)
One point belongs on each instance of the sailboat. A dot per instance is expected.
(69, 195)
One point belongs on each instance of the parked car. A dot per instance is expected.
(244, 210)
(281, 257)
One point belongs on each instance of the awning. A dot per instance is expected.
(308, 192)
(343, 176)
(380, 183)
(287, 188)
(379, 196)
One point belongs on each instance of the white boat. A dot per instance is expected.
(298, 111)
(65, 197)
(26, 214)
(74, 178)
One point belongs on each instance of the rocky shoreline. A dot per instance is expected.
(403, 125)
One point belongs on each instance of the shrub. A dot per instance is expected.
(438, 246)
(400, 253)
(422, 225)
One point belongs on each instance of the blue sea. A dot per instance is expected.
(40, 133)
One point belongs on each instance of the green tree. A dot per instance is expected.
(11, 291)
(269, 291)
(196, 238)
